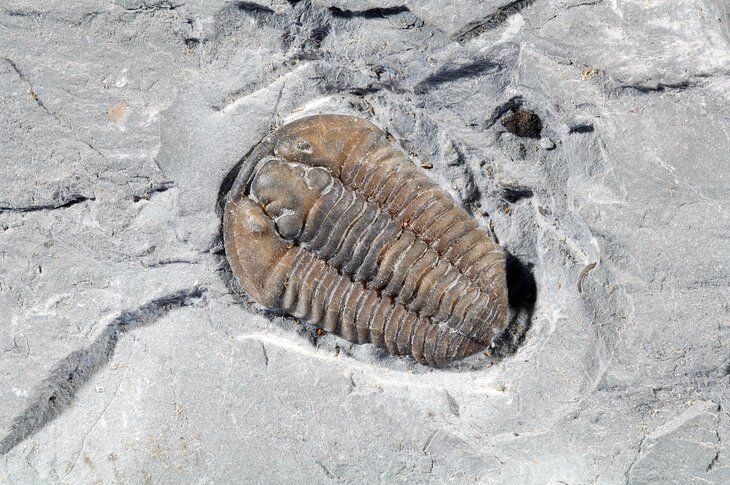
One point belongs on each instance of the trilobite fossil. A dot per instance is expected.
(328, 222)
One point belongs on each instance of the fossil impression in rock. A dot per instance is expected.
(330, 223)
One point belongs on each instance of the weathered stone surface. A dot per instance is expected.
(127, 356)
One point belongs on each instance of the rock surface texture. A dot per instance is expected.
(127, 355)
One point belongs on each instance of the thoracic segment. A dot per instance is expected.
(358, 239)
(411, 199)
(316, 292)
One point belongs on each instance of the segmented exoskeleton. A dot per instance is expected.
(330, 223)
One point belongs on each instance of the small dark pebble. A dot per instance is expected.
(523, 123)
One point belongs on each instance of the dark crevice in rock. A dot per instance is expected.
(585, 128)
(65, 18)
(516, 194)
(656, 88)
(696, 80)
(476, 28)
(155, 189)
(17, 12)
(218, 251)
(254, 8)
(372, 13)
(25, 79)
(512, 104)
(525, 124)
(68, 202)
(373, 89)
(714, 461)
(168, 262)
(454, 73)
(522, 296)
(88, 144)
(145, 7)
(262, 14)
(58, 390)
(635, 460)
(590, 3)
(192, 42)
(718, 446)
(328, 473)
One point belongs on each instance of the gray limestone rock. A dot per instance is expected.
(127, 354)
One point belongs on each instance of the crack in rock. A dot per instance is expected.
(254, 8)
(31, 90)
(56, 393)
(581, 128)
(163, 186)
(649, 86)
(25, 79)
(640, 449)
(656, 88)
(478, 27)
(61, 204)
(371, 13)
(168, 262)
(154, 6)
(454, 72)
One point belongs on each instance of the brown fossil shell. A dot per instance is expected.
(329, 223)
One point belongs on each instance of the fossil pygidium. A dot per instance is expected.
(330, 223)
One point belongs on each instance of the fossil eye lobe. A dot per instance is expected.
(332, 224)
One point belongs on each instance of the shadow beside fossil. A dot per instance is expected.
(522, 296)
